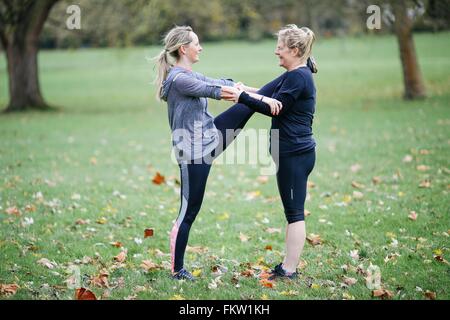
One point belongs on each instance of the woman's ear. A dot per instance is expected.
(295, 52)
(182, 50)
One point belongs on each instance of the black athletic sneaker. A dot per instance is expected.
(183, 274)
(278, 272)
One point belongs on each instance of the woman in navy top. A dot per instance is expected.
(292, 125)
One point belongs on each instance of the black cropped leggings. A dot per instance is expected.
(292, 180)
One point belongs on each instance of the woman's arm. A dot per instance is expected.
(191, 86)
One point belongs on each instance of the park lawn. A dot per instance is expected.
(75, 181)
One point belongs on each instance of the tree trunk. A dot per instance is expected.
(21, 48)
(412, 76)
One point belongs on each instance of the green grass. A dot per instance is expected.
(111, 135)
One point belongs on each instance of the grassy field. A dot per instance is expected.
(77, 181)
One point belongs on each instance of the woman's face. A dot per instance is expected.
(287, 57)
(193, 49)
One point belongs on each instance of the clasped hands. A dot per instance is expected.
(233, 94)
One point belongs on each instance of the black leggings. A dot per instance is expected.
(195, 175)
(292, 178)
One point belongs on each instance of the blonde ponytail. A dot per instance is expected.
(173, 40)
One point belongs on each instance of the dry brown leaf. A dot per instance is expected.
(382, 293)
(425, 184)
(8, 289)
(248, 273)
(30, 208)
(311, 185)
(13, 211)
(197, 249)
(422, 168)
(116, 244)
(268, 247)
(357, 185)
(101, 280)
(314, 239)
(84, 294)
(158, 179)
(81, 222)
(430, 295)
(148, 233)
(273, 230)
(148, 265)
(121, 256)
(307, 213)
(376, 180)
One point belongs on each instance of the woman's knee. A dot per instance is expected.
(294, 215)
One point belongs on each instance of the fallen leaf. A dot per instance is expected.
(407, 158)
(248, 273)
(243, 237)
(307, 213)
(413, 215)
(197, 272)
(102, 220)
(197, 249)
(266, 283)
(268, 247)
(116, 244)
(424, 152)
(314, 239)
(252, 195)
(81, 222)
(355, 168)
(425, 184)
(289, 293)
(382, 293)
(93, 161)
(100, 281)
(148, 265)
(357, 185)
(148, 233)
(358, 195)
(158, 179)
(8, 289)
(13, 211)
(30, 208)
(84, 294)
(311, 185)
(47, 263)
(273, 230)
(422, 168)
(263, 179)
(121, 256)
(376, 180)
(430, 295)
(177, 297)
(350, 281)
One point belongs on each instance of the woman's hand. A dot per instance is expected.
(243, 87)
(275, 105)
(230, 93)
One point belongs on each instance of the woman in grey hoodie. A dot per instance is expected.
(197, 137)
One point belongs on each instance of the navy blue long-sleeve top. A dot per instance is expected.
(295, 89)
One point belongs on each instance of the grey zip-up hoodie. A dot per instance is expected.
(194, 134)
